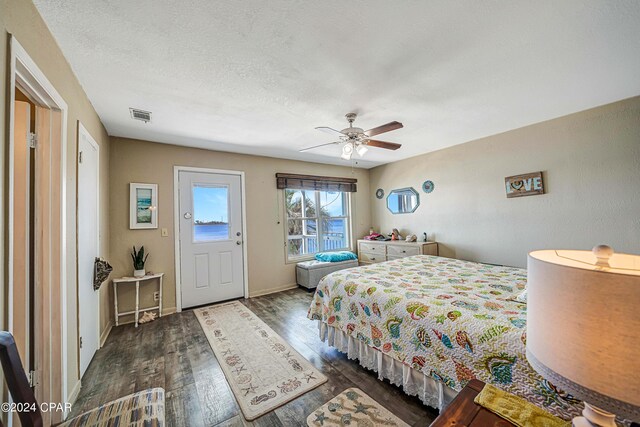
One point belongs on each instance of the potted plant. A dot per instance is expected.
(139, 260)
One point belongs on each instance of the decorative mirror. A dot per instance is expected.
(428, 186)
(379, 193)
(403, 200)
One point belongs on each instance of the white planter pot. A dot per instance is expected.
(139, 273)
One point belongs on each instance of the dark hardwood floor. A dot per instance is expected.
(173, 353)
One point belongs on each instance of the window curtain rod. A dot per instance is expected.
(314, 182)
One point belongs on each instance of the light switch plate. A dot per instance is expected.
(164, 232)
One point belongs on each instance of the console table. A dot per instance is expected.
(137, 281)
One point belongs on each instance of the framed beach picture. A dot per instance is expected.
(143, 205)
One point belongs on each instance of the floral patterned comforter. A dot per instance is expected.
(453, 320)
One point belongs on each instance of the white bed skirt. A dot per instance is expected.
(431, 392)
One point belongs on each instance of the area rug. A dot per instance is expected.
(263, 371)
(353, 407)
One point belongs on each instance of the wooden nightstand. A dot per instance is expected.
(463, 411)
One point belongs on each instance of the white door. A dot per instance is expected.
(211, 255)
(88, 247)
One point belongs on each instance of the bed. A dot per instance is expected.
(431, 324)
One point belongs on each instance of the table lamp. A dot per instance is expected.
(583, 329)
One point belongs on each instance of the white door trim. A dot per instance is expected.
(25, 74)
(176, 225)
(82, 131)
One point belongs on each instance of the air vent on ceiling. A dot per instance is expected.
(142, 115)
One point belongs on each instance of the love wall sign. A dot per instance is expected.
(528, 184)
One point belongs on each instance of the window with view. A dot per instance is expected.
(317, 221)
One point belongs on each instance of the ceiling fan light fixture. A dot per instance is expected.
(356, 139)
(347, 151)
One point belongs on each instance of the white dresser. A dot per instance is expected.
(371, 251)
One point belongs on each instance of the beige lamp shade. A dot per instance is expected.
(583, 326)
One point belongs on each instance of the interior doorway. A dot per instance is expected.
(24, 228)
(36, 231)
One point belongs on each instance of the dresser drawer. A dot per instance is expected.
(431, 249)
(372, 247)
(371, 257)
(402, 250)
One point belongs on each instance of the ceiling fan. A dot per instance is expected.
(356, 139)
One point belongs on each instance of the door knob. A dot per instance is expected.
(238, 242)
(187, 215)
(238, 234)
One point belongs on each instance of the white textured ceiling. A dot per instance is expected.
(257, 76)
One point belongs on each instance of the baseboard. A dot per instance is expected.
(105, 334)
(273, 290)
(168, 311)
(74, 393)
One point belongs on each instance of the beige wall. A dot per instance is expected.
(148, 162)
(20, 18)
(591, 166)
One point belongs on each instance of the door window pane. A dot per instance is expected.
(210, 213)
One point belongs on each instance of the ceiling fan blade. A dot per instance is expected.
(318, 146)
(382, 144)
(384, 128)
(330, 130)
